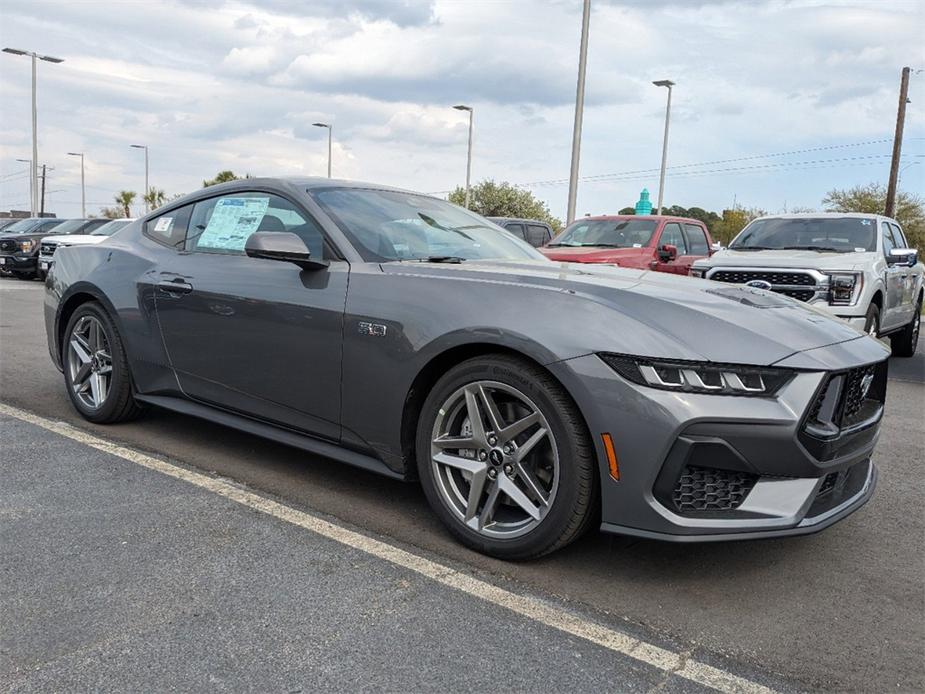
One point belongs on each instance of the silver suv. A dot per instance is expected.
(856, 266)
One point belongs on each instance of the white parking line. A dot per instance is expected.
(533, 608)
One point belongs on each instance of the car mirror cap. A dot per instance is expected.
(284, 246)
(903, 256)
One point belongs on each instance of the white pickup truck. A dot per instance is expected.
(856, 266)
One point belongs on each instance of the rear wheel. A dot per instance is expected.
(904, 342)
(95, 367)
(505, 459)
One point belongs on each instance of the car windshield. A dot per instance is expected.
(620, 233)
(110, 228)
(388, 225)
(23, 226)
(71, 226)
(838, 234)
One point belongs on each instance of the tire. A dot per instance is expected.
(109, 399)
(872, 321)
(906, 340)
(553, 473)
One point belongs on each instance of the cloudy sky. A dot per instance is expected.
(776, 101)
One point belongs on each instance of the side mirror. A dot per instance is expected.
(667, 253)
(281, 245)
(903, 256)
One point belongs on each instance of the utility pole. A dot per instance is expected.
(897, 142)
(42, 208)
(579, 112)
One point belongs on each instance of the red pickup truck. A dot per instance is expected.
(664, 244)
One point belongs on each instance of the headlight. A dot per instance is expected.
(697, 272)
(26, 245)
(698, 377)
(844, 287)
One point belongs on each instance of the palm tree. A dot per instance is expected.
(155, 197)
(126, 198)
(221, 177)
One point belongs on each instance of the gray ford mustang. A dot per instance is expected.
(532, 399)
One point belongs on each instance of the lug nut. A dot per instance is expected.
(492, 473)
(508, 448)
(483, 455)
(492, 440)
(508, 469)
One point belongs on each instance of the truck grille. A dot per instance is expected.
(710, 489)
(8, 246)
(48, 248)
(788, 283)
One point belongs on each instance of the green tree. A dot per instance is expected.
(491, 199)
(125, 198)
(910, 210)
(223, 177)
(627, 210)
(110, 212)
(155, 197)
(732, 222)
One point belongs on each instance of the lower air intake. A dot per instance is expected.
(710, 489)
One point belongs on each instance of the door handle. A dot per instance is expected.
(176, 286)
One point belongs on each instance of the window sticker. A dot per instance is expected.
(164, 225)
(232, 221)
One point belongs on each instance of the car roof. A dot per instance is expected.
(654, 217)
(517, 219)
(833, 215)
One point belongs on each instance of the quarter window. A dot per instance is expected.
(537, 234)
(223, 224)
(697, 239)
(170, 227)
(673, 236)
(516, 228)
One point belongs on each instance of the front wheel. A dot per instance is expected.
(96, 371)
(872, 321)
(505, 458)
(904, 342)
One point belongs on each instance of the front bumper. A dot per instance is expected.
(18, 263)
(756, 477)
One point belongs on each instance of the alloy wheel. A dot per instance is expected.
(89, 362)
(495, 459)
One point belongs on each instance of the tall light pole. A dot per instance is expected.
(145, 196)
(35, 139)
(83, 188)
(661, 176)
(463, 107)
(579, 112)
(31, 184)
(330, 128)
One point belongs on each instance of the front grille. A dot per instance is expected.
(847, 399)
(48, 248)
(8, 246)
(743, 276)
(709, 489)
(801, 294)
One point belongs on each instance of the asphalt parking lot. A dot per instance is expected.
(119, 576)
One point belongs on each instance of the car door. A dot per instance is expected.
(908, 277)
(672, 234)
(260, 337)
(894, 277)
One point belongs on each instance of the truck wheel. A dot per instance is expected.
(872, 322)
(904, 342)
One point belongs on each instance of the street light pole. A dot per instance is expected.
(31, 186)
(35, 139)
(463, 107)
(579, 112)
(661, 176)
(330, 128)
(83, 188)
(145, 196)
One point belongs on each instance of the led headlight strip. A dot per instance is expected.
(698, 377)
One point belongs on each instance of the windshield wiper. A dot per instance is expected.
(753, 248)
(821, 249)
(439, 259)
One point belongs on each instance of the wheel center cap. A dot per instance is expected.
(496, 457)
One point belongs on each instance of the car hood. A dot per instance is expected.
(21, 237)
(660, 314)
(590, 254)
(787, 259)
(73, 239)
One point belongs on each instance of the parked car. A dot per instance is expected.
(100, 230)
(533, 231)
(403, 335)
(858, 267)
(664, 244)
(19, 245)
(7, 221)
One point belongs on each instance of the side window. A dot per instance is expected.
(223, 224)
(170, 227)
(537, 234)
(516, 228)
(898, 237)
(673, 235)
(887, 233)
(697, 239)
